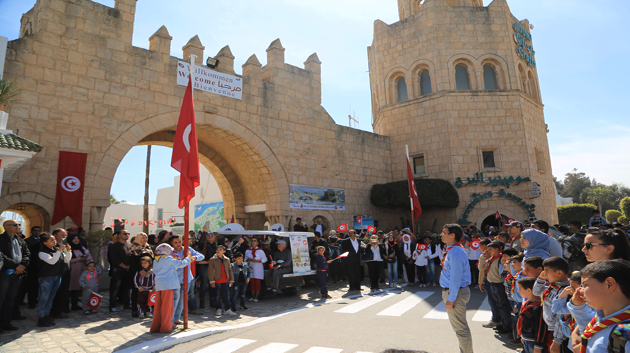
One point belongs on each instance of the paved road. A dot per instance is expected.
(412, 318)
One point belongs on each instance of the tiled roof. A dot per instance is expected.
(16, 142)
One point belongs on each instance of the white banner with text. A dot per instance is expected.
(210, 81)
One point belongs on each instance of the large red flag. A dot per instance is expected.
(70, 186)
(186, 149)
(413, 193)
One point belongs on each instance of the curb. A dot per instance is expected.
(183, 337)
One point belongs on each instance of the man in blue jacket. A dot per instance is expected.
(454, 280)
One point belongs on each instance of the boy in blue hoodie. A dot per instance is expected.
(550, 283)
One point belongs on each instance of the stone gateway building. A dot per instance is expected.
(453, 80)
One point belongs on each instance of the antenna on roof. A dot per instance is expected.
(353, 117)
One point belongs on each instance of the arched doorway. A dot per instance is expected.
(35, 208)
(492, 221)
(246, 169)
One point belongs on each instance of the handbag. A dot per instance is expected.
(368, 256)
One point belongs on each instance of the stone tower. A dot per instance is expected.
(457, 83)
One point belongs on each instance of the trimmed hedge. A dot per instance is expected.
(624, 205)
(623, 220)
(431, 192)
(612, 215)
(575, 212)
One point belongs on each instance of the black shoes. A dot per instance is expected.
(502, 331)
(44, 322)
(9, 327)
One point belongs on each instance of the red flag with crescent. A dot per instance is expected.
(413, 193)
(152, 298)
(94, 301)
(186, 149)
(422, 247)
(70, 186)
(475, 245)
(371, 229)
(342, 227)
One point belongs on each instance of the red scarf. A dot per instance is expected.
(513, 240)
(527, 305)
(572, 323)
(490, 261)
(253, 250)
(593, 327)
(548, 291)
(459, 243)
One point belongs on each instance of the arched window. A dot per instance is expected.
(462, 81)
(532, 86)
(490, 77)
(425, 83)
(401, 90)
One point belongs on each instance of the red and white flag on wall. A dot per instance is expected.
(70, 186)
(186, 149)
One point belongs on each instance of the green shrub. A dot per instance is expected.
(575, 212)
(623, 220)
(624, 205)
(612, 215)
(431, 192)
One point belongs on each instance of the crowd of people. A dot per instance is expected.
(550, 288)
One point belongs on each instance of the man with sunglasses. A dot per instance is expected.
(119, 273)
(14, 258)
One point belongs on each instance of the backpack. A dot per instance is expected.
(572, 250)
(617, 341)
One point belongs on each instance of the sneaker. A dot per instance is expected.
(250, 299)
(503, 331)
(326, 296)
(255, 300)
(244, 307)
(94, 311)
(219, 312)
(230, 312)
(433, 284)
(476, 286)
(491, 324)
(42, 322)
(148, 314)
(515, 342)
(113, 310)
(86, 312)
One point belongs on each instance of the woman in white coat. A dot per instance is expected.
(256, 258)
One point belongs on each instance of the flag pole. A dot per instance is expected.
(187, 214)
(413, 218)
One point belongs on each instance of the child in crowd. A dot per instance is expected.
(493, 275)
(484, 285)
(145, 282)
(516, 301)
(531, 326)
(559, 306)
(167, 286)
(549, 285)
(532, 266)
(89, 282)
(242, 275)
(221, 279)
(606, 286)
(322, 271)
(421, 258)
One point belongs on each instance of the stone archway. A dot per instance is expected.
(246, 169)
(36, 209)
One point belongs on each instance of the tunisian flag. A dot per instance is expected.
(186, 149)
(70, 186)
(417, 209)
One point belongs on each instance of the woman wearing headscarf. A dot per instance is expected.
(391, 255)
(80, 254)
(535, 243)
(138, 249)
(166, 286)
(406, 249)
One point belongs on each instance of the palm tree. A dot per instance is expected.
(113, 200)
(145, 226)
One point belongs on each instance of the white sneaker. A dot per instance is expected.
(219, 312)
(433, 284)
(250, 299)
(255, 300)
(230, 312)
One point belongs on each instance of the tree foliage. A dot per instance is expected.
(575, 212)
(583, 189)
(431, 192)
(612, 216)
(624, 205)
(113, 200)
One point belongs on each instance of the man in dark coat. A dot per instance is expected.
(14, 259)
(355, 248)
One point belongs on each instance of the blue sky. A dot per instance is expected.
(581, 47)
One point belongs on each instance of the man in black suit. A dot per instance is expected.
(353, 262)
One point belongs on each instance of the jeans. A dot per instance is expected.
(474, 272)
(9, 287)
(179, 304)
(176, 295)
(48, 287)
(421, 272)
(223, 292)
(431, 272)
(496, 314)
(528, 346)
(118, 288)
(392, 272)
(239, 292)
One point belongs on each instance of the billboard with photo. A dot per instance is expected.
(316, 198)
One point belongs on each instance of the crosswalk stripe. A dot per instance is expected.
(406, 304)
(439, 312)
(323, 350)
(228, 346)
(275, 348)
(363, 304)
(484, 313)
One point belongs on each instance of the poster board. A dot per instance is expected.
(299, 254)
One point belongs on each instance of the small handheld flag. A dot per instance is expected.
(94, 301)
(371, 229)
(422, 247)
(341, 256)
(152, 298)
(342, 227)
